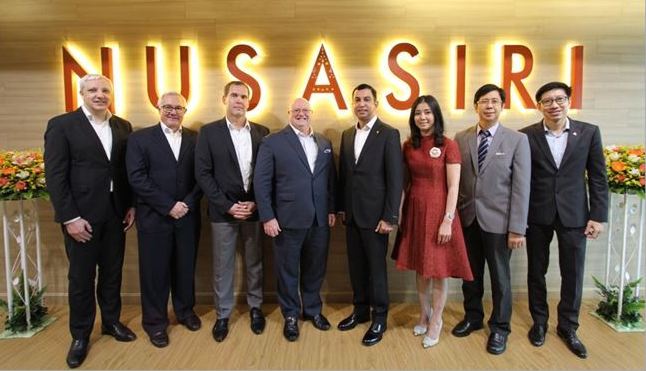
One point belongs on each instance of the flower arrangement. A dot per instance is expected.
(625, 168)
(22, 175)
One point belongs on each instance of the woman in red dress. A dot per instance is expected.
(430, 239)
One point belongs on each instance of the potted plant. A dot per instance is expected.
(631, 306)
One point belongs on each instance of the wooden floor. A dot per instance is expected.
(327, 350)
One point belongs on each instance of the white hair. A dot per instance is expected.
(92, 77)
(168, 93)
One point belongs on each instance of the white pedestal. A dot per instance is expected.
(625, 242)
(22, 247)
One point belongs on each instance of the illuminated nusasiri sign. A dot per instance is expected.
(514, 61)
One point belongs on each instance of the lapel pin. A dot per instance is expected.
(574, 133)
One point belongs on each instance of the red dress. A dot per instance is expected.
(416, 246)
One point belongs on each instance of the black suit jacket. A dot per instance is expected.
(159, 181)
(564, 190)
(371, 189)
(285, 186)
(217, 169)
(78, 172)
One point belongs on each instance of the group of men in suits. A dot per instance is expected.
(556, 169)
(99, 173)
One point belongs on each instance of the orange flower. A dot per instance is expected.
(618, 166)
(641, 168)
(20, 185)
(636, 151)
(641, 181)
(8, 171)
(620, 178)
(3, 181)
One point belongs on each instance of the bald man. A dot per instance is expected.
(294, 182)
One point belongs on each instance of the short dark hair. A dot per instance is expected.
(228, 86)
(551, 86)
(366, 86)
(486, 89)
(438, 121)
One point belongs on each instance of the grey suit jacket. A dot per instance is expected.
(498, 195)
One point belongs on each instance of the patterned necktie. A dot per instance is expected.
(483, 147)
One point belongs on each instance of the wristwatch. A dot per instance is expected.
(449, 216)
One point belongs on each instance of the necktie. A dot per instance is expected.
(483, 147)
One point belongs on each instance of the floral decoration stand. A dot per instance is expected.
(22, 258)
(624, 260)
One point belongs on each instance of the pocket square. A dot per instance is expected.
(327, 150)
(500, 153)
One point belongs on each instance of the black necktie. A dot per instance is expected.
(483, 147)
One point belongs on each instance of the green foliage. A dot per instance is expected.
(18, 320)
(631, 305)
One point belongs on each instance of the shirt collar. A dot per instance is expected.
(169, 131)
(92, 119)
(300, 133)
(566, 128)
(368, 126)
(233, 127)
(492, 130)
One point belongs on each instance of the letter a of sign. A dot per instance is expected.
(322, 60)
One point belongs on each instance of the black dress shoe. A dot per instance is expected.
(257, 320)
(573, 343)
(319, 321)
(290, 330)
(352, 321)
(536, 335)
(77, 353)
(159, 338)
(192, 322)
(118, 331)
(465, 328)
(220, 329)
(374, 334)
(497, 343)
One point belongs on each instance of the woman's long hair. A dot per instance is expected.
(438, 121)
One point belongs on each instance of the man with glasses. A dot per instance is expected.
(294, 183)
(493, 204)
(226, 154)
(567, 159)
(161, 162)
(86, 178)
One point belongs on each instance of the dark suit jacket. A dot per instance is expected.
(564, 190)
(286, 188)
(217, 169)
(78, 172)
(159, 181)
(371, 189)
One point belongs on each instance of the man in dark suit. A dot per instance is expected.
(567, 163)
(225, 156)
(161, 162)
(294, 183)
(370, 187)
(493, 204)
(87, 182)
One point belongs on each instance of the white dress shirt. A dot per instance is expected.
(361, 136)
(557, 143)
(101, 126)
(241, 138)
(309, 146)
(174, 138)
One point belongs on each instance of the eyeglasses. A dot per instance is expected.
(169, 109)
(485, 102)
(559, 100)
(304, 110)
